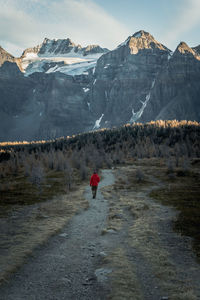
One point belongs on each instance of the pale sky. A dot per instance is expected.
(25, 23)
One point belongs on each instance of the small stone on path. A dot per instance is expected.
(63, 234)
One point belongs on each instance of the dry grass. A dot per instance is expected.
(144, 236)
(18, 190)
(183, 193)
(115, 215)
(123, 278)
(130, 199)
(29, 226)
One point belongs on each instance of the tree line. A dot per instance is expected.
(176, 141)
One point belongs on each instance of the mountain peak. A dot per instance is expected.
(183, 48)
(142, 34)
(93, 49)
(5, 56)
(67, 41)
(142, 40)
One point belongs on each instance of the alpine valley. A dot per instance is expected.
(59, 88)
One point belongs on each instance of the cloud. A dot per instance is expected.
(15, 25)
(186, 20)
(27, 22)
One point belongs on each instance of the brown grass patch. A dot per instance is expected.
(144, 235)
(184, 195)
(123, 278)
(33, 227)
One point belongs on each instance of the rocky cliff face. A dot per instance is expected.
(176, 93)
(41, 105)
(141, 80)
(124, 77)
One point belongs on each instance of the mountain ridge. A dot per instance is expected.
(62, 46)
(139, 81)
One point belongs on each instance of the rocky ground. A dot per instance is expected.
(121, 247)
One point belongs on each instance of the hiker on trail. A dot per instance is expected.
(94, 183)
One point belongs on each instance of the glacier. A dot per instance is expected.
(74, 63)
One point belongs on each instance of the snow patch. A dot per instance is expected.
(148, 97)
(170, 55)
(138, 114)
(106, 95)
(97, 123)
(30, 55)
(88, 105)
(74, 63)
(51, 70)
(86, 90)
(106, 66)
(153, 83)
(94, 82)
(77, 68)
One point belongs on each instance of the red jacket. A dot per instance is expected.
(94, 180)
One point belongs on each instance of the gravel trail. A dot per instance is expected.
(65, 267)
(71, 265)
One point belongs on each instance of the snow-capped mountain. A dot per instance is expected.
(66, 89)
(60, 55)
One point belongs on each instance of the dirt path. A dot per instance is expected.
(121, 247)
(65, 268)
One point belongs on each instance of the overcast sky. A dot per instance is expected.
(25, 23)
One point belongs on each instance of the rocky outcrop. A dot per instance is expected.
(93, 49)
(5, 56)
(197, 49)
(61, 47)
(56, 47)
(33, 50)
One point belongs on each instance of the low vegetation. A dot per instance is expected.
(47, 174)
(148, 247)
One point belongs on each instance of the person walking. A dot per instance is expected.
(94, 181)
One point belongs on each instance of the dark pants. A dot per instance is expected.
(94, 191)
